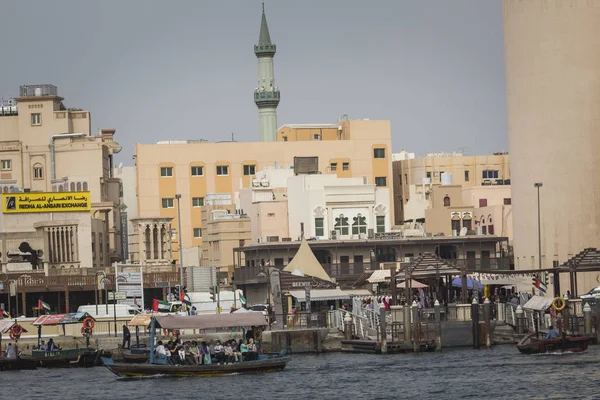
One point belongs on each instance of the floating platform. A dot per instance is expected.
(374, 347)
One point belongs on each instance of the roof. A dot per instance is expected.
(6, 324)
(264, 39)
(59, 319)
(143, 319)
(305, 261)
(358, 292)
(309, 126)
(320, 294)
(362, 279)
(428, 264)
(379, 276)
(538, 303)
(210, 321)
(588, 259)
(413, 284)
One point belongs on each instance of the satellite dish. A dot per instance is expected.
(463, 231)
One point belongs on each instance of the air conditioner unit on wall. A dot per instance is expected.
(333, 235)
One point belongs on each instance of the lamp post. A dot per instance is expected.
(178, 197)
(538, 185)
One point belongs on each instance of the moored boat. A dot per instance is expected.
(531, 344)
(15, 364)
(160, 366)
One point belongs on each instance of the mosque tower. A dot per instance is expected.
(266, 95)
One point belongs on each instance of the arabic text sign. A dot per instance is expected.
(118, 295)
(129, 278)
(38, 202)
(131, 291)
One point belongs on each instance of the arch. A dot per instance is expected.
(79, 186)
(380, 210)
(319, 211)
(482, 220)
(359, 224)
(60, 188)
(72, 186)
(341, 225)
(447, 201)
(5, 189)
(85, 186)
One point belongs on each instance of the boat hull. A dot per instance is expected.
(67, 359)
(16, 364)
(532, 345)
(245, 367)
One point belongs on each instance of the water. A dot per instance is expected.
(500, 373)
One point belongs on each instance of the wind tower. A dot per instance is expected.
(266, 95)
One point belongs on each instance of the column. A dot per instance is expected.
(68, 244)
(76, 243)
(160, 241)
(23, 302)
(67, 298)
(152, 244)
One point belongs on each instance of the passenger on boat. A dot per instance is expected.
(43, 346)
(219, 352)
(181, 355)
(228, 353)
(552, 333)
(160, 350)
(237, 356)
(244, 350)
(11, 351)
(52, 346)
(252, 350)
(205, 354)
(195, 352)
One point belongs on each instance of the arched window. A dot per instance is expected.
(38, 171)
(79, 186)
(60, 188)
(72, 186)
(341, 225)
(85, 187)
(446, 201)
(483, 225)
(490, 225)
(359, 224)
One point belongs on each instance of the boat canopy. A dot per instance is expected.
(143, 319)
(6, 324)
(210, 321)
(538, 303)
(60, 319)
(320, 294)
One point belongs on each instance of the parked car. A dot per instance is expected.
(590, 297)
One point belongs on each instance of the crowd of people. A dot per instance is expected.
(190, 353)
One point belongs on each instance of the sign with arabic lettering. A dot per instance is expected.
(38, 202)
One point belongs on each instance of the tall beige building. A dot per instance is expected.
(553, 95)
(194, 169)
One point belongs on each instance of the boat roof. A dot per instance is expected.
(6, 324)
(60, 319)
(143, 319)
(538, 303)
(210, 321)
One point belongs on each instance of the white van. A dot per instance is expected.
(122, 310)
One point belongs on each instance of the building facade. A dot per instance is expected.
(197, 168)
(552, 87)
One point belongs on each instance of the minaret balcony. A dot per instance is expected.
(265, 50)
(266, 98)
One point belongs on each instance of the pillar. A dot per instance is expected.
(67, 305)
(438, 322)
(487, 316)
(587, 318)
(23, 303)
(475, 320)
(160, 242)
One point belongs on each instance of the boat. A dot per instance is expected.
(135, 354)
(66, 358)
(532, 344)
(159, 366)
(15, 364)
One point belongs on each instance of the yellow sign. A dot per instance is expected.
(39, 202)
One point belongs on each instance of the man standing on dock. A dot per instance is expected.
(126, 337)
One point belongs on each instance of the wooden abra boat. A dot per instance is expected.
(15, 364)
(160, 366)
(531, 344)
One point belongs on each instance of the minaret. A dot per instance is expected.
(266, 96)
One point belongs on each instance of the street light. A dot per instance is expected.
(178, 197)
(538, 185)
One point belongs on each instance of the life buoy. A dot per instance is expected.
(167, 332)
(16, 330)
(258, 333)
(89, 323)
(555, 305)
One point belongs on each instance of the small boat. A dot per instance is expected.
(532, 344)
(160, 366)
(15, 364)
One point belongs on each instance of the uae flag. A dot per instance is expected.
(4, 314)
(43, 306)
(159, 305)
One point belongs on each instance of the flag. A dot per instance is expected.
(4, 314)
(159, 305)
(42, 305)
(242, 299)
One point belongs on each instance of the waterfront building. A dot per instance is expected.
(552, 87)
(414, 177)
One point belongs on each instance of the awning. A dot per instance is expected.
(379, 276)
(6, 324)
(59, 319)
(143, 319)
(538, 303)
(210, 321)
(358, 292)
(320, 294)
(413, 284)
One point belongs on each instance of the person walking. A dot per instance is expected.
(126, 337)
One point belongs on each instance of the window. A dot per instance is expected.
(317, 137)
(358, 264)
(222, 170)
(406, 179)
(378, 153)
(197, 171)
(278, 262)
(482, 202)
(197, 201)
(380, 220)
(166, 172)
(341, 225)
(197, 233)
(484, 230)
(446, 201)
(285, 138)
(319, 230)
(490, 174)
(6, 165)
(333, 167)
(359, 224)
(381, 181)
(467, 223)
(466, 176)
(429, 174)
(455, 223)
(507, 201)
(167, 203)
(491, 229)
(36, 119)
(249, 170)
(345, 166)
(270, 215)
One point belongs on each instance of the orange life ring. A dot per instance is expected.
(89, 323)
(16, 330)
(167, 332)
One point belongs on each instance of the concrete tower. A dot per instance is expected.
(266, 96)
(553, 97)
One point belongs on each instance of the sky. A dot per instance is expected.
(174, 70)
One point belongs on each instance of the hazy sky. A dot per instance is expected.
(159, 70)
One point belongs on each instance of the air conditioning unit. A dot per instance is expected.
(371, 233)
(259, 240)
(362, 236)
(333, 235)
